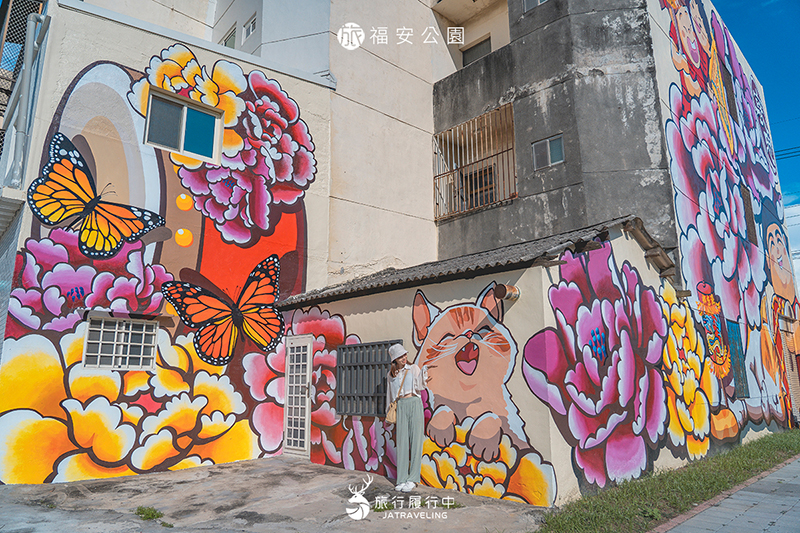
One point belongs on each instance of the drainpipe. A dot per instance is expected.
(21, 136)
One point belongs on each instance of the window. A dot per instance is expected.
(475, 52)
(750, 221)
(120, 344)
(361, 377)
(474, 164)
(230, 39)
(737, 360)
(182, 125)
(249, 28)
(548, 152)
(727, 82)
(530, 4)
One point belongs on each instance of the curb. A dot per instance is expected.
(678, 520)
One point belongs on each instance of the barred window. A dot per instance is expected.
(474, 165)
(120, 344)
(361, 378)
(737, 359)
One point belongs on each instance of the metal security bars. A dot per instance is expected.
(474, 164)
(121, 344)
(361, 377)
(15, 14)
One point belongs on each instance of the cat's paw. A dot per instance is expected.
(484, 437)
(442, 426)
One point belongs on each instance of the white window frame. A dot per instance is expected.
(527, 5)
(549, 142)
(121, 330)
(249, 28)
(306, 340)
(186, 103)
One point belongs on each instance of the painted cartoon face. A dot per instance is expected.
(688, 36)
(699, 26)
(779, 263)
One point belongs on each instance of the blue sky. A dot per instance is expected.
(768, 33)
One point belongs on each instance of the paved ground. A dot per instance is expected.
(270, 495)
(771, 504)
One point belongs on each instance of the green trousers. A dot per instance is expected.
(409, 428)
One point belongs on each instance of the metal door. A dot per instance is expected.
(297, 410)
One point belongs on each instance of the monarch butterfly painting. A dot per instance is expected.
(220, 321)
(67, 190)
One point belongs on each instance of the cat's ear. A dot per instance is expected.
(422, 314)
(491, 303)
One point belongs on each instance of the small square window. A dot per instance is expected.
(120, 344)
(249, 29)
(183, 126)
(530, 4)
(548, 152)
(230, 40)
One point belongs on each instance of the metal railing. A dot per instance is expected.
(15, 14)
(474, 165)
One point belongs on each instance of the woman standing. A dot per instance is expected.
(404, 384)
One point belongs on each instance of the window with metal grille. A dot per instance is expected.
(120, 344)
(361, 378)
(474, 165)
(737, 359)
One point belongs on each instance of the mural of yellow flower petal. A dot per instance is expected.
(458, 452)
(446, 466)
(98, 427)
(684, 416)
(429, 447)
(215, 425)
(533, 481)
(139, 95)
(724, 425)
(180, 413)
(508, 454)
(462, 429)
(167, 382)
(487, 488)
(233, 107)
(232, 143)
(220, 393)
(690, 386)
(32, 377)
(134, 381)
(697, 448)
(155, 450)
(428, 474)
(471, 480)
(30, 445)
(190, 462)
(80, 466)
(131, 414)
(238, 444)
(186, 161)
(668, 293)
(85, 383)
(701, 412)
(497, 472)
(675, 429)
(229, 77)
(72, 345)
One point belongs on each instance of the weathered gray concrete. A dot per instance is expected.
(271, 495)
(583, 70)
(770, 504)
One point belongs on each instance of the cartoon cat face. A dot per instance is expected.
(468, 352)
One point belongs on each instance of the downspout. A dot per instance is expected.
(21, 125)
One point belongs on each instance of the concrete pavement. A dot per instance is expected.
(769, 502)
(266, 495)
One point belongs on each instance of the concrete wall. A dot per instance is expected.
(191, 17)
(585, 73)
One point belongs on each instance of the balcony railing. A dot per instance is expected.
(474, 165)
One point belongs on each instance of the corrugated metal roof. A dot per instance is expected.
(464, 267)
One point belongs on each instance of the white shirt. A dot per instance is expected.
(412, 384)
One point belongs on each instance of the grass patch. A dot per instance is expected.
(640, 505)
(166, 524)
(383, 506)
(148, 513)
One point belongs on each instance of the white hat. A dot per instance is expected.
(397, 351)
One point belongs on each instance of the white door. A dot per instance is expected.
(297, 410)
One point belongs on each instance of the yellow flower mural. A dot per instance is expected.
(693, 389)
(518, 475)
(67, 423)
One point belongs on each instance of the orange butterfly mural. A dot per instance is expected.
(67, 190)
(219, 321)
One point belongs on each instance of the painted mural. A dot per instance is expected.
(162, 247)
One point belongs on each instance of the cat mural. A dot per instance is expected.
(476, 437)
